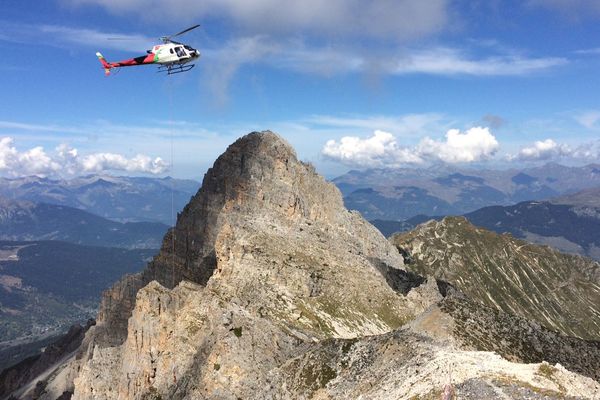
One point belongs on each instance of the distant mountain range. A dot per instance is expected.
(399, 194)
(572, 228)
(585, 198)
(569, 228)
(25, 220)
(125, 199)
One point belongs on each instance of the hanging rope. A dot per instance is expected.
(172, 169)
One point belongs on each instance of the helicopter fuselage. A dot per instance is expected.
(171, 58)
(173, 53)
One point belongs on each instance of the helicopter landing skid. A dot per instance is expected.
(175, 69)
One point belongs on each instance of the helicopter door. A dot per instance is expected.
(180, 52)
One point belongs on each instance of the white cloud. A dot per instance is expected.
(380, 150)
(33, 161)
(99, 162)
(542, 150)
(221, 64)
(296, 55)
(476, 144)
(589, 152)
(383, 150)
(67, 161)
(391, 19)
(451, 61)
(549, 150)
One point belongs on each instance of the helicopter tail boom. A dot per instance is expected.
(104, 63)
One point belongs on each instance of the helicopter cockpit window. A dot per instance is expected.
(171, 50)
(180, 52)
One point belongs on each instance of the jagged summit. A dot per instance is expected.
(268, 234)
(258, 175)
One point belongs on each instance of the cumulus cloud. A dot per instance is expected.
(67, 161)
(390, 19)
(549, 150)
(476, 144)
(383, 150)
(542, 150)
(589, 152)
(33, 161)
(99, 162)
(379, 150)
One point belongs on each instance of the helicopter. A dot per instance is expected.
(172, 57)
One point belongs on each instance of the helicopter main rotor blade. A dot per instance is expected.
(184, 31)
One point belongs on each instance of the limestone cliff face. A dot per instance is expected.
(269, 259)
(268, 288)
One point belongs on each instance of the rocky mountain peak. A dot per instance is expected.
(266, 229)
(258, 176)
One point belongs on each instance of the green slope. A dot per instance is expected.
(560, 291)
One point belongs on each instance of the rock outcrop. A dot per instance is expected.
(268, 288)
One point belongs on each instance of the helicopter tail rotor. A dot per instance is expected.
(104, 63)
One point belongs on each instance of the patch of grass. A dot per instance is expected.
(316, 376)
(237, 331)
(216, 366)
(546, 370)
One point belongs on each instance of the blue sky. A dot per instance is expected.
(350, 84)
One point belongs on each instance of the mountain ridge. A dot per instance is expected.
(399, 194)
(29, 221)
(124, 199)
(560, 291)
